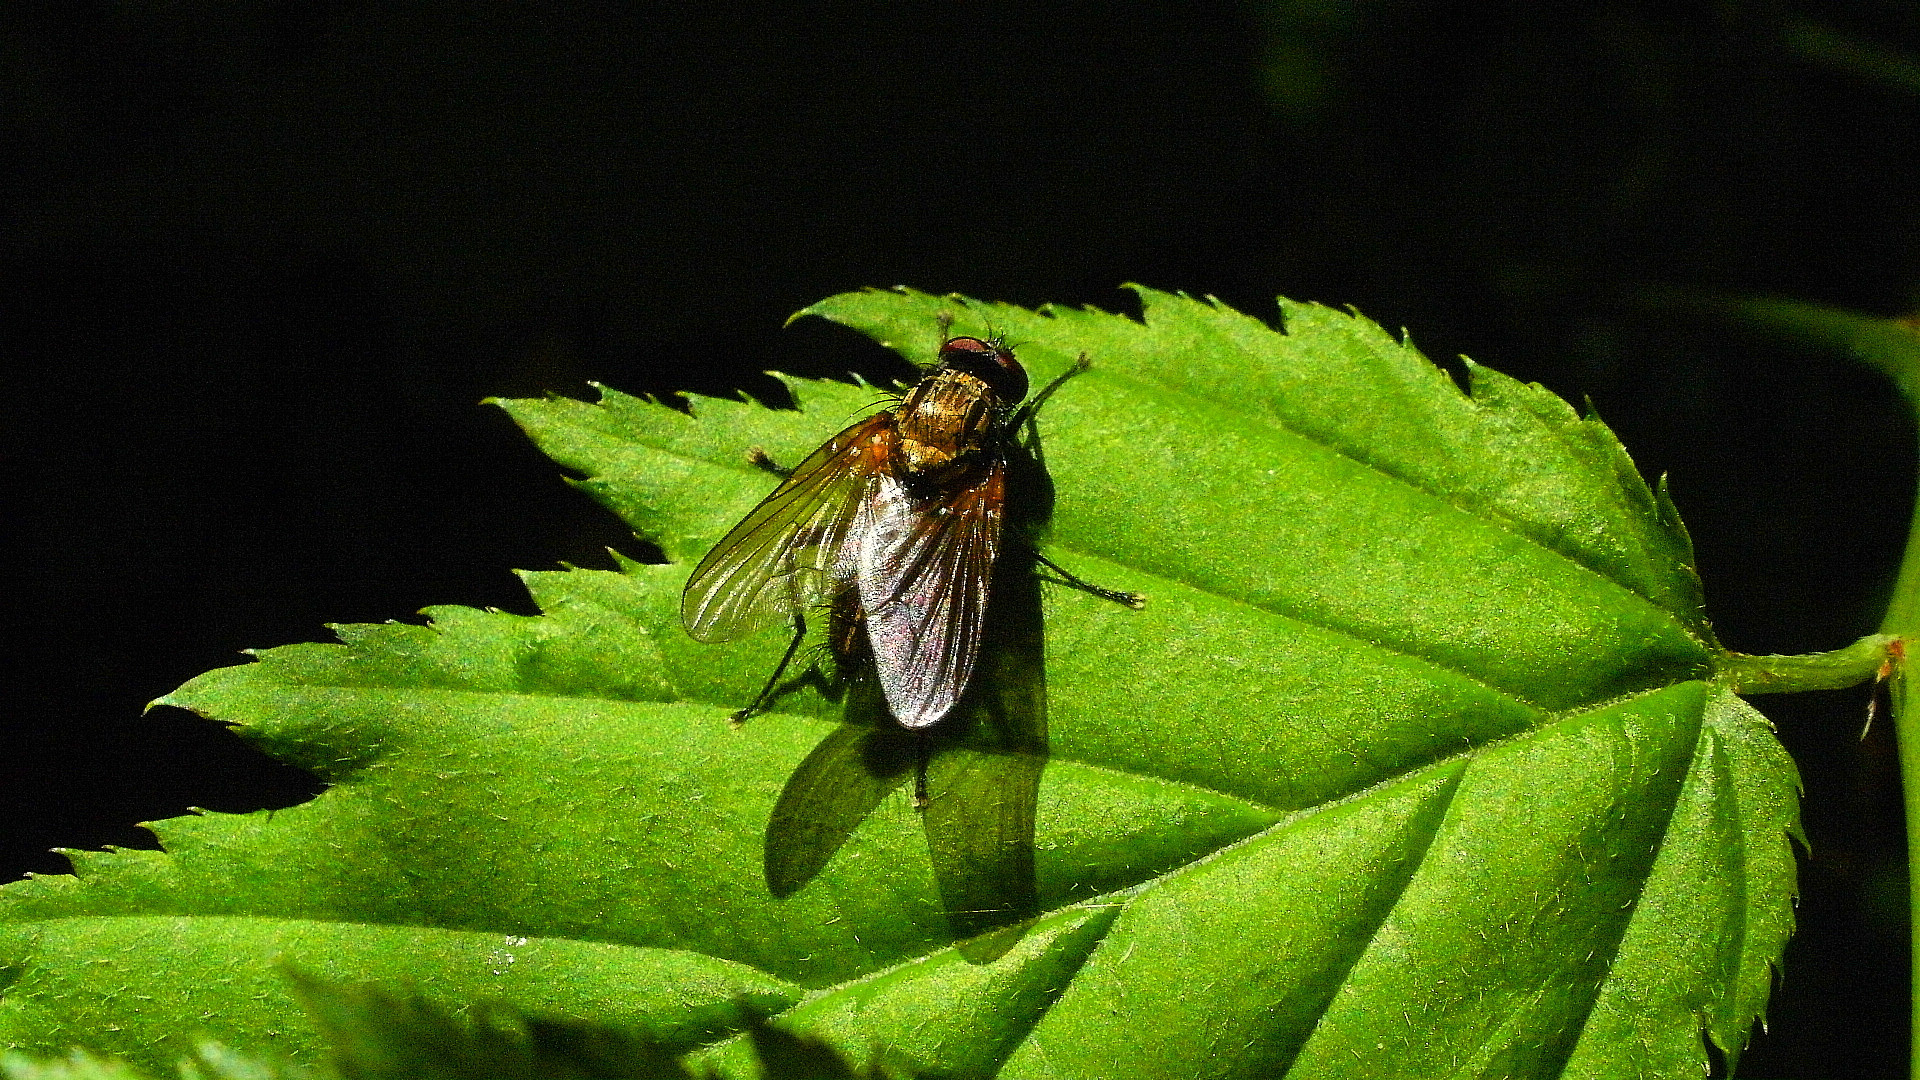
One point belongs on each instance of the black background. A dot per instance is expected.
(259, 262)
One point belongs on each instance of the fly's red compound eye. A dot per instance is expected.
(989, 361)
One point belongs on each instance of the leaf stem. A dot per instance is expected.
(1851, 666)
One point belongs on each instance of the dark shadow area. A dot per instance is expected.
(983, 766)
(983, 786)
(846, 776)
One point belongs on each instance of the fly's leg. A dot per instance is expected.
(1032, 407)
(1025, 418)
(774, 688)
(922, 751)
(1132, 599)
(765, 698)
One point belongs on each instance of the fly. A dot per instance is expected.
(894, 528)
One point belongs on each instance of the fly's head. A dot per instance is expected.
(991, 362)
(952, 421)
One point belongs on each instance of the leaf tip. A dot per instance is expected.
(1148, 295)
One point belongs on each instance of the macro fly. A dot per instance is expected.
(893, 528)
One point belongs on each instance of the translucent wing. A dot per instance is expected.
(923, 574)
(785, 555)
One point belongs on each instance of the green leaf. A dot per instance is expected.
(209, 1061)
(1413, 765)
(376, 1035)
(78, 1066)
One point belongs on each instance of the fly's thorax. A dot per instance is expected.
(945, 425)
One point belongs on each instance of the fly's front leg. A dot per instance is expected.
(1025, 418)
(1031, 408)
(1131, 599)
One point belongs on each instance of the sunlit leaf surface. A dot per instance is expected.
(1413, 766)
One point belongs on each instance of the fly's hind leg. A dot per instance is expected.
(922, 754)
(1131, 599)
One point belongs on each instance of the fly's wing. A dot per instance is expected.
(923, 574)
(783, 557)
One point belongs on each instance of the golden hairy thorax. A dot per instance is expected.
(943, 426)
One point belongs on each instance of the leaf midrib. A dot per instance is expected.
(1251, 425)
(1158, 574)
(1138, 343)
